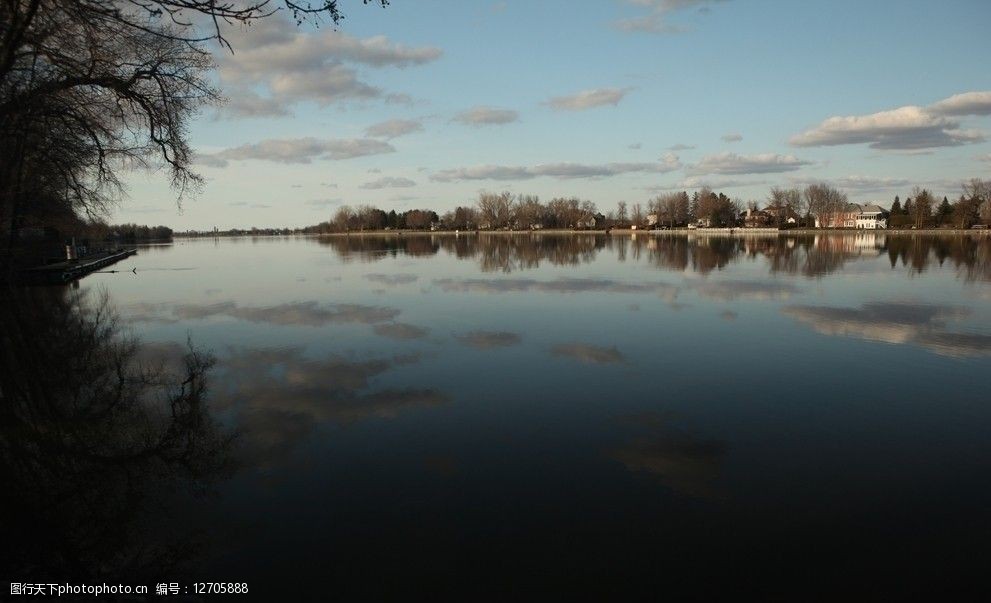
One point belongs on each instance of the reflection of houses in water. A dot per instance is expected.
(852, 244)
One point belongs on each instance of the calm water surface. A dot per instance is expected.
(527, 416)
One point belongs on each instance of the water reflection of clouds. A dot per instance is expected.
(392, 279)
(753, 290)
(589, 354)
(308, 313)
(279, 395)
(897, 323)
(680, 461)
(561, 285)
(484, 340)
(401, 331)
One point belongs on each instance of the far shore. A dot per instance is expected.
(767, 232)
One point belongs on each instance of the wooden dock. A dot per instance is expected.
(67, 271)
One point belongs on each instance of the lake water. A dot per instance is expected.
(520, 416)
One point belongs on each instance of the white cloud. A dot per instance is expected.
(486, 116)
(393, 128)
(968, 103)
(388, 182)
(247, 103)
(297, 64)
(865, 184)
(733, 137)
(655, 21)
(985, 157)
(905, 128)
(716, 183)
(732, 164)
(561, 171)
(680, 147)
(322, 203)
(588, 99)
(298, 150)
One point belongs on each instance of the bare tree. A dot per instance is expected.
(637, 215)
(89, 87)
(495, 210)
(824, 203)
(621, 215)
(784, 203)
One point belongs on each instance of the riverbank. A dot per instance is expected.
(615, 232)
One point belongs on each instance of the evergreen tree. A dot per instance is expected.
(944, 211)
(896, 207)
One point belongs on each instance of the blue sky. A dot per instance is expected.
(426, 103)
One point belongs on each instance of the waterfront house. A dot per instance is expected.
(855, 215)
(872, 217)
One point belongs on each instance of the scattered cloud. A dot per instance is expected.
(733, 164)
(589, 354)
(680, 147)
(718, 182)
(486, 116)
(968, 103)
(389, 182)
(399, 99)
(322, 203)
(905, 128)
(393, 128)
(296, 64)
(636, 146)
(247, 103)
(588, 99)
(731, 137)
(563, 171)
(985, 157)
(484, 340)
(866, 184)
(656, 20)
(298, 150)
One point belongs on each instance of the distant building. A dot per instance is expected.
(854, 215)
(872, 217)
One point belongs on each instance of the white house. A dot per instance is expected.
(871, 217)
(855, 215)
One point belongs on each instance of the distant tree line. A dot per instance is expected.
(130, 233)
(783, 207)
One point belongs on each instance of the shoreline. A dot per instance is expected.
(751, 232)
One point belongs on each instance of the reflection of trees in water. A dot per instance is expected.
(94, 433)
(971, 256)
(375, 247)
(810, 255)
(495, 253)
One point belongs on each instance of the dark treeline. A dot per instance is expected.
(808, 255)
(922, 209)
(129, 233)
